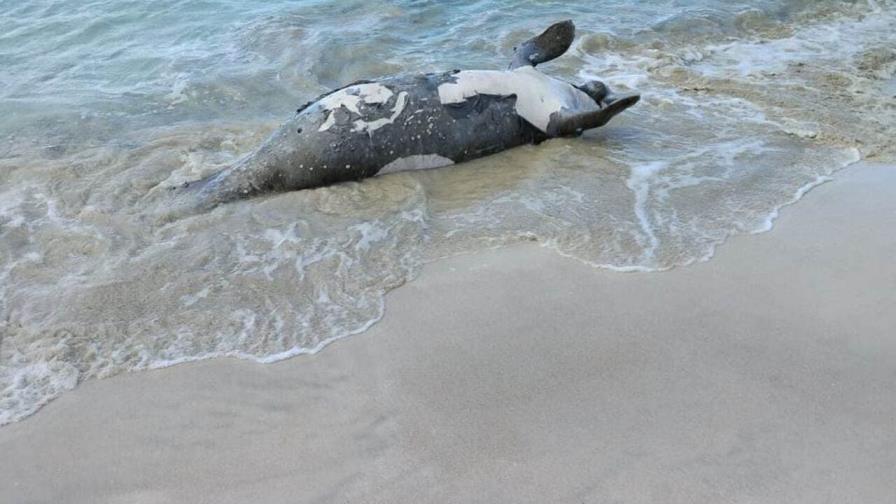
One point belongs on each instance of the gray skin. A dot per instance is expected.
(300, 156)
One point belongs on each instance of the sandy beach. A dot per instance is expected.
(767, 374)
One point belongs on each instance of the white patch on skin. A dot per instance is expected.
(371, 126)
(415, 162)
(349, 98)
(537, 95)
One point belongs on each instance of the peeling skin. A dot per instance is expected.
(371, 126)
(416, 162)
(350, 98)
(538, 96)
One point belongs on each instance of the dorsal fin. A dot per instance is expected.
(552, 43)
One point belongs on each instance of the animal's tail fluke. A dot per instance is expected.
(552, 43)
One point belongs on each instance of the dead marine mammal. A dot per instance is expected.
(417, 122)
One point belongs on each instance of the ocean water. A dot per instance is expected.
(106, 103)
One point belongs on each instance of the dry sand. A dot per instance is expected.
(767, 374)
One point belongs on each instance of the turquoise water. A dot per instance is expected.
(110, 62)
(105, 104)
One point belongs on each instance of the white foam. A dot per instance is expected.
(191, 299)
(10, 207)
(839, 40)
(34, 377)
(639, 182)
(370, 233)
(854, 156)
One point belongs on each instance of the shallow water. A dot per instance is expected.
(105, 104)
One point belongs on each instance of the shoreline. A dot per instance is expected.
(517, 375)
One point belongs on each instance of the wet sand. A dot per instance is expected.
(767, 374)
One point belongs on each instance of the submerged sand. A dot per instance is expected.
(767, 374)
